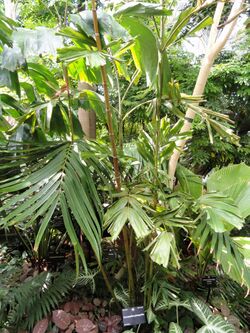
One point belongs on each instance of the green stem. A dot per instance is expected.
(66, 79)
(150, 275)
(129, 266)
(108, 284)
(146, 278)
(113, 147)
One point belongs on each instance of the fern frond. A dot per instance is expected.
(88, 279)
(122, 295)
(34, 299)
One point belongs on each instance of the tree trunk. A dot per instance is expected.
(87, 118)
(215, 45)
(10, 9)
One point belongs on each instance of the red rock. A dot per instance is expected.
(104, 303)
(41, 326)
(61, 319)
(115, 319)
(67, 307)
(86, 326)
(97, 301)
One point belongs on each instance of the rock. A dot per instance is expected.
(61, 319)
(86, 326)
(41, 326)
(97, 301)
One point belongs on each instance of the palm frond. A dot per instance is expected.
(56, 177)
(127, 209)
(226, 252)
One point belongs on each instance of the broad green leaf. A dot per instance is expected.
(201, 310)
(216, 324)
(228, 176)
(108, 25)
(35, 42)
(29, 90)
(4, 125)
(44, 79)
(244, 247)
(81, 72)
(12, 58)
(127, 210)
(190, 183)
(174, 328)
(145, 57)
(222, 214)
(73, 53)
(79, 36)
(162, 248)
(90, 100)
(234, 181)
(141, 9)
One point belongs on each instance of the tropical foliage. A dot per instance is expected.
(60, 190)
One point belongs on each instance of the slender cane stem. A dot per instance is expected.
(113, 147)
(106, 280)
(66, 79)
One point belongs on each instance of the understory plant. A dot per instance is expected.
(106, 190)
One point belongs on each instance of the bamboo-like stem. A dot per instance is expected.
(107, 101)
(66, 79)
(108, 284)
(114, 150)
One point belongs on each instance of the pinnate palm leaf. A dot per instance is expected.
(56, 178)
(127, 209)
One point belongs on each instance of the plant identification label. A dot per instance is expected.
(133, 316)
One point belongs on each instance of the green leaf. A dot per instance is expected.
(233, 181)
(57, 176)
(12, 58)
(29, 90)
(174, 328)
(44, 223)
(190, 183)
(142, 9)
(201, 25)
(145, 57)
(227, 177)
(166, 74)
(181, 22)
(216, 324)
(201, 310)
(244, 247)
(9, 101)
(222, 214)
(107, 24)
(35, 42)
(75, 35)
(10, 80)
(127, 209)
(73, 53)
(162, 247)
